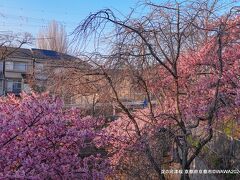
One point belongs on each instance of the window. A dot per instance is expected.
(14, 86)
(39, 67)
(16, 66)
(9, 65)
(40, 72)
(20, 66)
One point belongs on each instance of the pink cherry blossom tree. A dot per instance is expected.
(39, 139)
(205, 95)
(184, 54)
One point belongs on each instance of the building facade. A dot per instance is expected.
(19, 67)
(44, 70)
(15, 66)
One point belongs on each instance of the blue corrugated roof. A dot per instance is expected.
(53, 54)
(45, 54)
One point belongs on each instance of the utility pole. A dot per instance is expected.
(4, 76)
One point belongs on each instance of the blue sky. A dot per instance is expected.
(30, 16)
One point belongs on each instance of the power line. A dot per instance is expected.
(27, 19)
(43, 10)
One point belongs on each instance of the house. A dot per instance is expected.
(22, 68)
(66, 76)
(16, 64)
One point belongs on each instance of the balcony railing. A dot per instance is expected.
(20, 67)
(15, 91)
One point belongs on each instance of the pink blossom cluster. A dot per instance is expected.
(120, 136)
(198, 74)
(41, 140)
